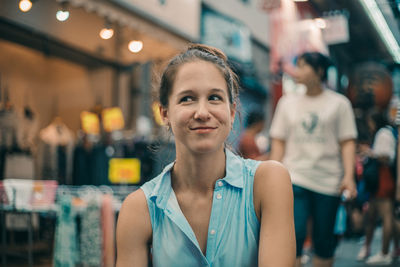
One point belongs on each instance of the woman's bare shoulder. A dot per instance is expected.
(271, 181)
(135, 203)
(134, 212)
(271, 170)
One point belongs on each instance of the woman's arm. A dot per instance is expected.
(273, 200)
(277, 149)
(134, 232)
(348, 150)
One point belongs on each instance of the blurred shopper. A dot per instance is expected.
(202, 209)
(381, 201)
(314, 136)
(248, 147)
(396, 226)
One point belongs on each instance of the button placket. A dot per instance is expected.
(214, 220)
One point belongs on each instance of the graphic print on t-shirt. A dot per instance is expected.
(310, 122)
(310, 128)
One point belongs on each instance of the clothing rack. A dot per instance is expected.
(82, 195)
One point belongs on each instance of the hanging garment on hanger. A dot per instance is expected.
(55, 153)
(66, 252)
(57, 133)
(8, 129)
(16, 161)
(82, 168)
(28, 128)
(3, 153)
(19, 165)
(91, 235)
(108, 227)
(99, 162)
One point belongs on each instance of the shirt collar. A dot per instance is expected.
(162, 190)
(234, 170)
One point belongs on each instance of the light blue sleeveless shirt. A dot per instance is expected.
(233, 232)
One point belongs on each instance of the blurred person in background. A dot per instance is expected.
(209, 207)
(314, 134)
(396, 217)
(381, 199)
(248, 147)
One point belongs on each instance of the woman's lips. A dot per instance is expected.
(203, 129)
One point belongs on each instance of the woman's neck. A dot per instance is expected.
(198, 172)
(314, 89)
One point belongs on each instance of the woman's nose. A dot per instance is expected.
(202, 112)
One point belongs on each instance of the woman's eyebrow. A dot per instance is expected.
(218, 90)
(184, 92)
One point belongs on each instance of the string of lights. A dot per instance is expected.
(63, 14)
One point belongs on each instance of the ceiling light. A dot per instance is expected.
(320, 23)
(25, 5)
(107, 32)
(382, 28)
(62, 13)
(300, 0)
(135, 46)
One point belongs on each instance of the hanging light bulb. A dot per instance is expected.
(25, 5)
(135, 46)
(107, 32)
(62, 14)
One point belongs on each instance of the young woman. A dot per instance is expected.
(209, 207)
(314, 136)
(381, 202)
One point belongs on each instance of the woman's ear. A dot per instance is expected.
(164, 115)
(233, 112)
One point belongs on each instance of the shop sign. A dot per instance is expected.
(182, 16)
(113, 119)
(337, 29)
(90, 123)
(231, 36)
(124, 170)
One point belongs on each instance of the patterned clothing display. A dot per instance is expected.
(66, 252)
(233, 228)
(91, 235)
(108, 226)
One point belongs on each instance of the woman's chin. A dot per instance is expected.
(205, 148)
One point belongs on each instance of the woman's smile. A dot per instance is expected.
(203, 129)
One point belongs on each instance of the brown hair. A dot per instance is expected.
(198, 52)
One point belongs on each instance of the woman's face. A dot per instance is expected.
(199, 111)
(305, 74)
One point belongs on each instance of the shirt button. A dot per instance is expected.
(220, 183)
(212, 232)
(219, 196)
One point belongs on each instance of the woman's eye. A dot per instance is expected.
(186, 99)
(215, 98)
